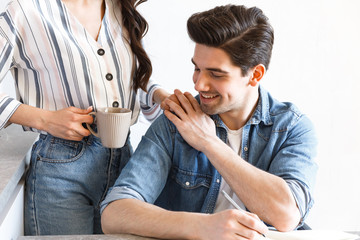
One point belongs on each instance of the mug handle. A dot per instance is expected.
(90, 128)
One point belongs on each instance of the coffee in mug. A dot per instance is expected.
(112, 126)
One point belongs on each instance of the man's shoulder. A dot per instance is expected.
(278, 108)
(285, 115)
(162, 123)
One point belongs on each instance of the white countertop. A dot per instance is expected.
(99, 237)
(87, 237)
(14, 145)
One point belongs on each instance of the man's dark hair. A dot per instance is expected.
(243, 33)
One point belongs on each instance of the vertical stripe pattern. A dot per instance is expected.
(56, 63)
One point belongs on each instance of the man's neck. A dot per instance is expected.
(236, 119)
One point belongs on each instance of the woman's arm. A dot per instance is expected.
(65, 123)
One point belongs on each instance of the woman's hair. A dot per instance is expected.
(243, 33)
(137, 27)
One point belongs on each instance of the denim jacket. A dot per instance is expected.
(168, 172)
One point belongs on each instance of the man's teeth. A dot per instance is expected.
(208, 96)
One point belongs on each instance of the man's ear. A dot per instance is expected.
(257, 74)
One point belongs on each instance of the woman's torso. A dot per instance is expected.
(56, 63)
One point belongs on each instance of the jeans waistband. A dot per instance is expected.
(87, 140)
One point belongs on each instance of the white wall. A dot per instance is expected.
(314, 65)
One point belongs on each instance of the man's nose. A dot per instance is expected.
(201, 82)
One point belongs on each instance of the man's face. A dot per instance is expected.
(220, 84)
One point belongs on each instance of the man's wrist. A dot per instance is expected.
(211, 144)
(194, 225)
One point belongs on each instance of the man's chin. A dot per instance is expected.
(208, 110)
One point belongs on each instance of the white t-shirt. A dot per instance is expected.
(234, 141)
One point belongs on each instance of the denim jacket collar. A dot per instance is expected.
(261, 113)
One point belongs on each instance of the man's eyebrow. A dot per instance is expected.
(212, 69)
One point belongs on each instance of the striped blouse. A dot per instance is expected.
(56, 63)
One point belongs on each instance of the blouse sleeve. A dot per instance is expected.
(149, 108)
(8, 105)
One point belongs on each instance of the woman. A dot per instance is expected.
(68, 58)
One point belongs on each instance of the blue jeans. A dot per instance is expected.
(66, 182)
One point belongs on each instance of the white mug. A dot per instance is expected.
(113, 126)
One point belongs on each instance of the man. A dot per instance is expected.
(235, 138)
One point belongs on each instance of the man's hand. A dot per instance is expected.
(67, 123)
(194, 125)
(232, 224)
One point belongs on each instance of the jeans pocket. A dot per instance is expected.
(57, 150)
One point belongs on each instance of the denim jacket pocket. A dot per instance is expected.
(57, 150)
(185, 191)
(191, 180)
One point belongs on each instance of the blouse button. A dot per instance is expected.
(101, 51)
(109, 76)
(115, 104)
(246, 149)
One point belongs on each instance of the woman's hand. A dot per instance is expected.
(67, 123)
(171, 97)
(160, 97)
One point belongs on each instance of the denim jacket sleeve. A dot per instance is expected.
(145, 174)
(294, 162)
